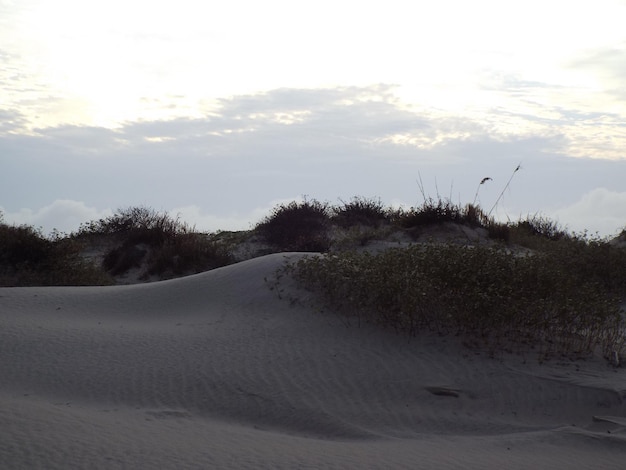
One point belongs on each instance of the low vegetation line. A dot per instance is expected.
(529, 284)
(562, 300)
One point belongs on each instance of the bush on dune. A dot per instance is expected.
(165, 245)
(187, 253)
(141, 237)
(361, 211)
(435, 212)
(564, 299)
(297, 226)
(22, 245)
(137, 225)
(28, 258)
(305, 226)
(532, 284)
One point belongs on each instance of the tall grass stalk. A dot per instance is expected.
(508, 183)
(483, 181)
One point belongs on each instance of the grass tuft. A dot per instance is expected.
(440, 211)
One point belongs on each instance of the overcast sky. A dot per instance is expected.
(218, 111)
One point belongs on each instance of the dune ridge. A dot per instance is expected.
(215, 371)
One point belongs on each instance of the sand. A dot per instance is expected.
(216, 371)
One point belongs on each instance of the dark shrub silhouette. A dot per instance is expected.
(297, 226)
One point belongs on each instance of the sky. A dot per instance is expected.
(216, 112)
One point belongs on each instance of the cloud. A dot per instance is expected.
(608, 62)
(62, 215)
(599, 210)
(319, 117)
(66, 216)
(604, 72)
(513, 83)
(11, 121)
(207, 222)
(278, 145)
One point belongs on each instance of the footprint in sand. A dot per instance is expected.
(444, 391)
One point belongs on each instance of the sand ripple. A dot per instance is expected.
(214, 371)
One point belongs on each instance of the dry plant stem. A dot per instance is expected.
(504, 189)
(483, 181)
(420, 185)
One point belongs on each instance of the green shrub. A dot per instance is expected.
(591, 261)
(297, 226)
(558, 301)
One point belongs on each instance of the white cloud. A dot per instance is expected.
(63, 215)
(144, 60)
(203, 222)
(599, 210)
(346, 142)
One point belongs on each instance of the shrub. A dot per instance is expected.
(27, 258)
(439, 211)
(22, 246)
(360, 211)
(591, 261)
(187, 253)
(121, 259)
(557, 301)
(164, 246)
(297, 226)
(434, 212)
(498, 231)
(137, 225)
(538, 226)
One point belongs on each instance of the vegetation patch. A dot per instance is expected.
(298, 226)
(508, 286)
(28, 258)
(360, 211)
(436, 212)
(562, 300)
(160, 245)
(501, 286)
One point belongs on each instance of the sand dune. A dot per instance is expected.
(215, 371)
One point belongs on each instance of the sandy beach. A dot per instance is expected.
(214, 370)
